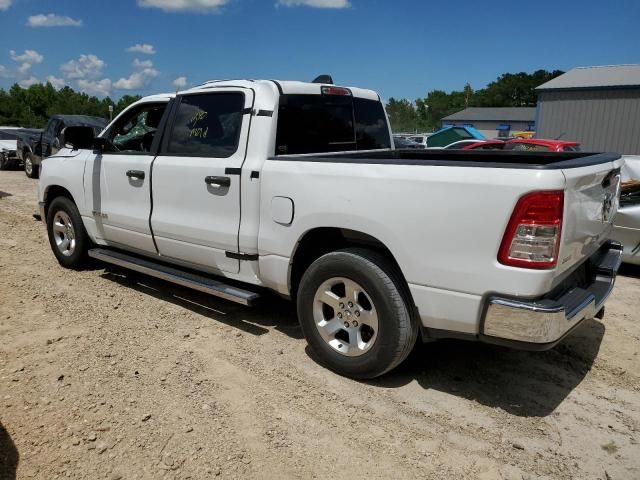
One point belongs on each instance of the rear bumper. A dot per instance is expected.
(540, 324)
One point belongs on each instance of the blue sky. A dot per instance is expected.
(401, 48)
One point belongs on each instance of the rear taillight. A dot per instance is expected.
(532, 238)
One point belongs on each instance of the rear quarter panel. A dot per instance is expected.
(443, 224)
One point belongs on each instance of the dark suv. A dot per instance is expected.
(32, 152)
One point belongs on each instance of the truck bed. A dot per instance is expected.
(463, 158)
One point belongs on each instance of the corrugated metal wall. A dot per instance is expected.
(601, 120)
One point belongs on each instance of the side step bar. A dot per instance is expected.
(173, 275)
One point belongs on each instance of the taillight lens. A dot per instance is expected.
(532, 238)
(340, 91)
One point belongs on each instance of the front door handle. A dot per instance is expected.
(218, 181)
(137, 174)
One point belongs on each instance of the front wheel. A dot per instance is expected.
(30, 168)
(355, 313)
(67, 235)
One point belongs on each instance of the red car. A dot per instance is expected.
(541, 145)
(485, 145)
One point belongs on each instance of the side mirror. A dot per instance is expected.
(77, 137)
(104, 145)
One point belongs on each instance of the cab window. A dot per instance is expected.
(207, 125)
(135, 131)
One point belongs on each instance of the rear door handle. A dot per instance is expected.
(218, 181)
(138, 174)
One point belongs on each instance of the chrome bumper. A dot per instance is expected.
(541, 323)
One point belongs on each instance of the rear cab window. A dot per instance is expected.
(330, 123)
(207, 125)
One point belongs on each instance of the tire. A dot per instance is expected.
(5, 163)
(382, 329)
(30, 168)
(67, 235)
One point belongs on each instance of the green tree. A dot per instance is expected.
(508, 90)
(468, 92)
(32, 107)
(402, 116)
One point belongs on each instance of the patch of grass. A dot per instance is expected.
(610, 447)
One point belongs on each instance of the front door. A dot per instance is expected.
(118, 185)
(196, 179)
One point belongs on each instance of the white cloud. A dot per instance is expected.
(5, 4)
(27, 82)
(143, 73)
(143, 48)
(315, 3)
(3, 72)
(27, 60)
(57, 83)
(29, 56)
(95, 87)
(179, 83)
(24, 68)
(184, 5)
(142, 64)
(52, 20)
(85, 67)
(134, 81)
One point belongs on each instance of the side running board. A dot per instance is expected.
(174, 275)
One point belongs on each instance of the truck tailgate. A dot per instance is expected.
(592, 196)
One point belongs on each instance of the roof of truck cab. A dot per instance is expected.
(286, 87)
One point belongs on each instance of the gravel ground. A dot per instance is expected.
(110, 375)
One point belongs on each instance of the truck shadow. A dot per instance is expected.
(272, 311)
(526, 384)
(4, 194)
(9, 456)
(629, 270)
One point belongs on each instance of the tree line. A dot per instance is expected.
(32, 107)
(425, 114)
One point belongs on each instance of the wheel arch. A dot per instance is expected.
(319, 241)
(52, 192)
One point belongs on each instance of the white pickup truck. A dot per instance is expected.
(234, 187)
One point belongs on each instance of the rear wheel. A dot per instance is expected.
(67, 235)
(30, 168)
(355, 313)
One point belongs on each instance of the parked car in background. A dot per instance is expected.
(295, 187)
(32, 150)
(10, 137)
(419, 139)
(541, 145)
(627, 222)
(451, 134)
(485, 145)
(401, 143)
(476, 145)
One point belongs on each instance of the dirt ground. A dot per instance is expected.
(110, 375)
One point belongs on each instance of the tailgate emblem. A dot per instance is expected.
(607, 207)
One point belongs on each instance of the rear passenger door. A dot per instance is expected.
(196, 179)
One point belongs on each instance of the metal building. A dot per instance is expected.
(596, 106)
(493, 122)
